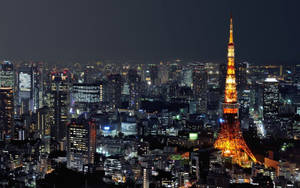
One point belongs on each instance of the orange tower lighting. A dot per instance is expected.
(230, 140)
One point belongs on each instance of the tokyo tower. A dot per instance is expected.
(230, 140)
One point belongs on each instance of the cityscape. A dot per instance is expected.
(173, 122)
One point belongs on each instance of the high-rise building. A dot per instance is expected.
(6, 113)
(7, 75)
(134, 81)
(200, 88)
(146, 178)
(44, 127)
(37, 86)
(7, 89)
(115, 83)
(245, 102)
(187, 77)
(230, 140)
(85, 97)
(24, 82)
(270, 103)
(92, 142)
(81, 143)
(153, 70)
(163, 73)
(59, 104)
(77, 145)
(241, 76)
(86, 93)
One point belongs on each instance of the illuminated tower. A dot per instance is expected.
(230, 140)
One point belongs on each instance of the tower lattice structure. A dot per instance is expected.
(230, 140)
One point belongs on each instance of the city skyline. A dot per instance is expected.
(150, 121)
(77, 31)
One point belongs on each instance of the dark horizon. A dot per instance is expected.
(265, 32)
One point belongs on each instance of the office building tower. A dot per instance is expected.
(37, 86)
(6, 113)
(241, 76)
(24, 82)
(115, 83)
(59, 104)
(81, 143)
(245, 102)
(77, 145)
(7, 75)
(187, 77)
(163, 73)
(85, 97)
(153, 70)
(134, 81)
(92, 142)
(44, 127)
(200, 88)
(270, 103)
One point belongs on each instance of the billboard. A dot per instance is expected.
(24, 81)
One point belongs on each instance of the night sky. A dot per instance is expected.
(265, 31)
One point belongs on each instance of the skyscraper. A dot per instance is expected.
(81, 143)
(134, 81)
(241, 76)
(85, 97)
(115, 90)
(6, 113)
(200, 87)
(6, 100)
(77, 145)
(230, 140)
(59, 104)
(270, 103)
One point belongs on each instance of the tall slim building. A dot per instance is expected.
(6, 100)
(200, 87)
(241, 76)
(6, 113)
(92, 142)
(153, 68)
(24, 82)
(77, 145)
(37, 86)
(270, 103)
(115, 90)
(59, 104)
(44, 127)
(230, 140)
(134, 81)
(163, 73)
